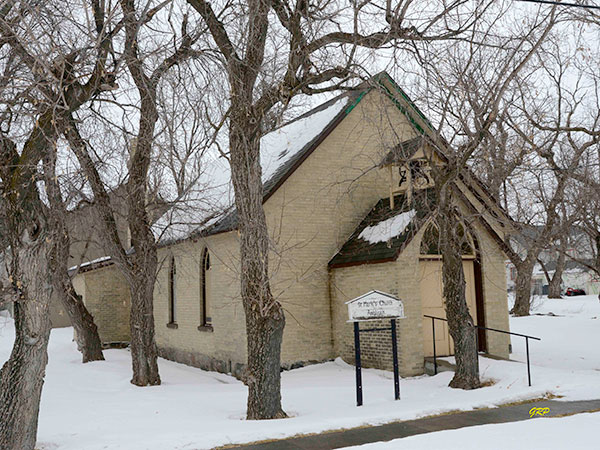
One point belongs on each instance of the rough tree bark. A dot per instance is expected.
(554, 287)
(265, 319)
(86, 331)
(144, 260)
(141, 275)
(460, 322)
(523, 287)
(22, 376)
(31, 267)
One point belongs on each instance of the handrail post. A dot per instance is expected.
(528, 369)
(476, 345)
(434, 356)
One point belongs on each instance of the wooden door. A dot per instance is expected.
(432, 304)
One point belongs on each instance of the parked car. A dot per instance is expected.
(571, 292)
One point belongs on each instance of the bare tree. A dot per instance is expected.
(319, 47)
(140, 265)
(50, 85)
(470, 87)
(561, 132)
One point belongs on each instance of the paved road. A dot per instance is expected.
(365, 435)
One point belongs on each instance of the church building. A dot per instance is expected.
(349, 202)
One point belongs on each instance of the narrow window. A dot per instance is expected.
(205, 319)
(430, 244)
(172, 291)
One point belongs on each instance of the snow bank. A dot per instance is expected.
(551, 433)
(387, 229)
(93, 406)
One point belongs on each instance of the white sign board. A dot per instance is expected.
(375, 305)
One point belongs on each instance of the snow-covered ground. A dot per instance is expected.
(551, 433)
(93, 406)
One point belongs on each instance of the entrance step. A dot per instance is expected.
(442, 366)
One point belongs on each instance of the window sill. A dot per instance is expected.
(172, 325)
(207, 328)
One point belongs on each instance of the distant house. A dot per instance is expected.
(348, 200)
(575, 275)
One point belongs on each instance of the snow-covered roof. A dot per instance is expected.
(209, 208)
(385, 232)
(87, 264)
(387, 229)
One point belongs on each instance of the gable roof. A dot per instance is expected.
(385, 232)
(284, 149)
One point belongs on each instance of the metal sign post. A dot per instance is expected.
(375, 305)
(395, 357)
(357, 364)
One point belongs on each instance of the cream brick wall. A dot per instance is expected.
(106, 296)
(309, 217)
(226, 343)
(400, 278)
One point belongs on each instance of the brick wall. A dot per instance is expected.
(309, 217)
(400, 278)
(106, 296)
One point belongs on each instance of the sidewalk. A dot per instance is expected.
(365, 435)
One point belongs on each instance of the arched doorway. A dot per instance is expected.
(431, 287)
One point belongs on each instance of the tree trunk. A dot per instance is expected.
(597, 259)
(523, 289)
(144, 260)
(144, 353)
(86, 331)
(554, 287)
(264, 367)
(22, 376)
(265, 319)
(460, 322)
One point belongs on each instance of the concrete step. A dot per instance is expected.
(442, 366)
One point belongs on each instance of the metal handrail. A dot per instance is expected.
(527, 337)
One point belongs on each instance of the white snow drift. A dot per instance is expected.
(93, 406)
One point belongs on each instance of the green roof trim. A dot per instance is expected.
(380, 79)
(405, 96)
(352, 105)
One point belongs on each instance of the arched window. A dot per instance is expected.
(205, 320)
(430, 244)
(172, 291)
